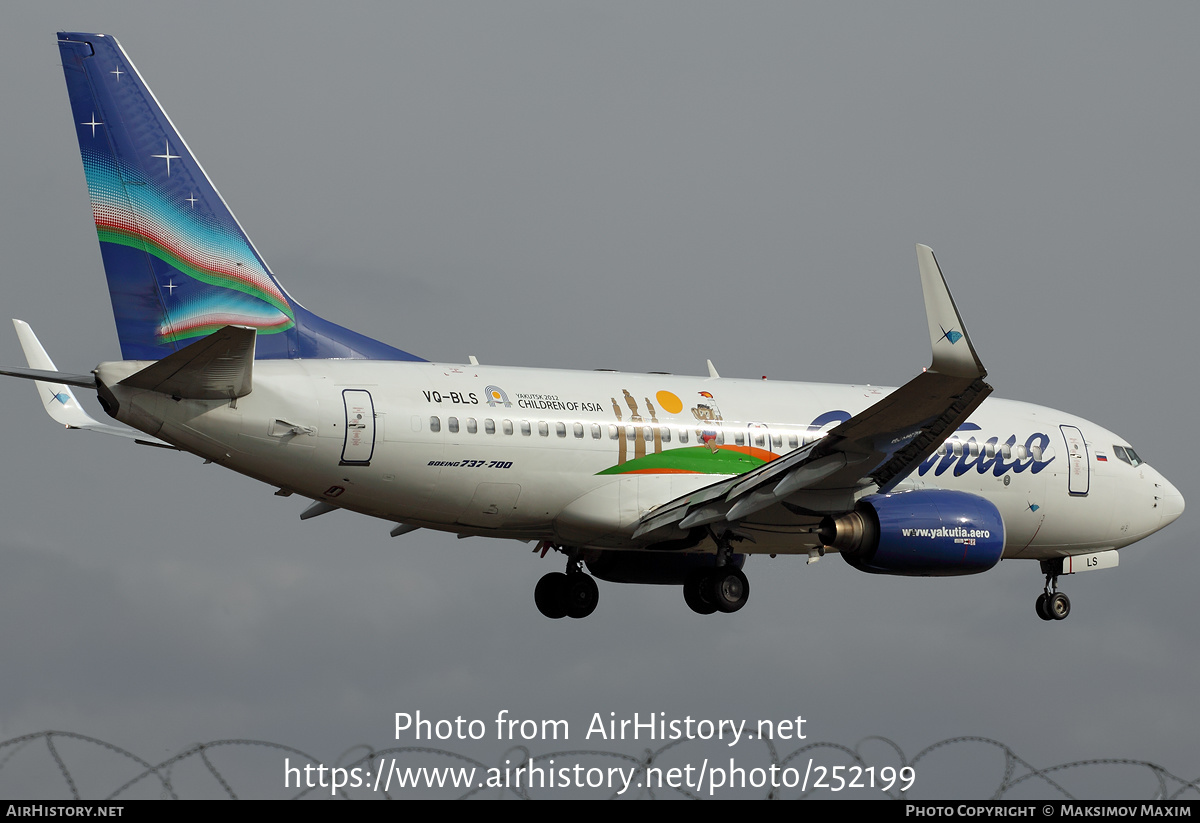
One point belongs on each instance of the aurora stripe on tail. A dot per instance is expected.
(178, 263)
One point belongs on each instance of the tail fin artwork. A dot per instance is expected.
(178, 263)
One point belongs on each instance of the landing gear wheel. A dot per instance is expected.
(728, 588)
(695, 586)
(1058, 606)
(1041, 607)
(550, 595)
(581, 595)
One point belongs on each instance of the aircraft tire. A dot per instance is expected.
(1041, 607)
(550, 595)
(694, 587)
(1058, 606)
(729, 589)
(580, 595)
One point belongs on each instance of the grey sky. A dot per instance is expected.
(633, 186)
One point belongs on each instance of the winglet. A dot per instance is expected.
(953, 353)
(57, 398)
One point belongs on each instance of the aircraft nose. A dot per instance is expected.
(1169, 501)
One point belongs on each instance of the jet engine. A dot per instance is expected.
(921, 533)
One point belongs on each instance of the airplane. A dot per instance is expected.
(632, 478)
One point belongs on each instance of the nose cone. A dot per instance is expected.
(1169, 501)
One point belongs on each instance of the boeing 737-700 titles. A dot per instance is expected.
(637, 478)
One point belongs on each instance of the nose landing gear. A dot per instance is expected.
(1051, 603)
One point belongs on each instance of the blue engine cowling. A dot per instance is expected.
(922, 533)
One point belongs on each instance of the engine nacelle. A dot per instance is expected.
(651, 567)
(921, 533)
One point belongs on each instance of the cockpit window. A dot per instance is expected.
(1128, 455)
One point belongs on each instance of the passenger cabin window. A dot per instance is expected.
(777, 441)
(989, 450)
(739, 439)
(452, 424)
(471, 427)
(793, 441)
(666, 435)
(526, 430)
(596, 434)
(578, 429)
(560, 429)
(543, 428)
(435, 424)
(508, 427)
(683, 435)
(613, 434)
(489, 426)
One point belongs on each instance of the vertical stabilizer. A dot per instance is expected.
(179, 266)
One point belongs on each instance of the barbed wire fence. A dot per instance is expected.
(147, 779)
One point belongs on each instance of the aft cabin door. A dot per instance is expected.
(360, 428)
(1078, 468)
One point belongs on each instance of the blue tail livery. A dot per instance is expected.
(178, 263)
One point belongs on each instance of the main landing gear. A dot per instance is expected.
(1051, 603)
(573, 594)
(723, 589)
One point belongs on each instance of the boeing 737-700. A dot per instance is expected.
(635, 478)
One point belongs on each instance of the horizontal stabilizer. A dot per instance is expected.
(84, 381)
(216, 368)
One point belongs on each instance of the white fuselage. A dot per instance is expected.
(579, 457)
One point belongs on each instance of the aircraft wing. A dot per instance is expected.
(873, 450)
(54, 388)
